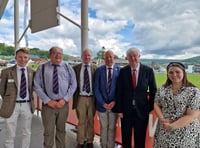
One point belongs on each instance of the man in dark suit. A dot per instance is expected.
(17, 93)
(105, 93)
(84, 101)
(136, 89)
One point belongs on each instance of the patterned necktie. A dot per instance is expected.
(55, 80)
(134, 78)
(86, 84)
(23, 84)
(109, 80)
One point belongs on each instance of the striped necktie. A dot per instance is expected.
(55, 80)
(23, 84)
(109, 80)
(86, 84)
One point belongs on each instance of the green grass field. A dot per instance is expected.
(194, 78)
(160, 77)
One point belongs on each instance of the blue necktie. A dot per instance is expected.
(23, 84)
(86, 84)
(55, 80)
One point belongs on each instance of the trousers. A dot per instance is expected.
(85, 113)
(54, 121)
(23, 112)
(108, 121)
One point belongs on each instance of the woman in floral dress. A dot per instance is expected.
(177, 105)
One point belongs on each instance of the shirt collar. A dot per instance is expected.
(86, 64)
(110, 67)
(137, 68)
(19, 67)
(56, 64)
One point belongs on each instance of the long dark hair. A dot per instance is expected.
(185, 81)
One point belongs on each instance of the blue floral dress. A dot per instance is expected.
(174, 106)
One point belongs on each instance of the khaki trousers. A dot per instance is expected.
(54, 120)
(108, 121)
(85, 113)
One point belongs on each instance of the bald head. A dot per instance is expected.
(86, 56)
(109, 58)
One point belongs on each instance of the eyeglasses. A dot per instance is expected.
(57, 53)
(175, 64)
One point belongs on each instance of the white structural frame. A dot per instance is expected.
(83, 27)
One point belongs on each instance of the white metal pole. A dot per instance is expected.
(84, 24)
(25, 21)
(16, 23)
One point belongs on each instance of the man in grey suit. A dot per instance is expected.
(84, 101)
(17, 93)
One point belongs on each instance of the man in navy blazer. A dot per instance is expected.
(135, 103)
(105, 93)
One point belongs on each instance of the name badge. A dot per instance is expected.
(11, 80)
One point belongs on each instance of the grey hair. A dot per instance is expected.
(132, 49)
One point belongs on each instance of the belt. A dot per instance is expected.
(22, 101)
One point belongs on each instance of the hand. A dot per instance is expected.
(61, 103)
(52, 103)
(111, 105)
(168, 126)
(164, 120)
(120, 115)
(106, 106)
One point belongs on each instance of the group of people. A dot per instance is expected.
(129, 92)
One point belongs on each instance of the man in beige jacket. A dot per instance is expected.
(84, 100)
(16, 91)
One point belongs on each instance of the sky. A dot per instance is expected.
(160, 29)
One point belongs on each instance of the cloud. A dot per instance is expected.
(161, 29)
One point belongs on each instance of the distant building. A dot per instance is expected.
(34, 57)
(190, 68)
(196, 68)
(3, 62)
(121, 62)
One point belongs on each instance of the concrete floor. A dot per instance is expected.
(37, 135)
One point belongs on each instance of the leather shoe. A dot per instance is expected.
(89, 145)
(80, 146)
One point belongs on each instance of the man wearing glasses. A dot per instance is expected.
(55, 83)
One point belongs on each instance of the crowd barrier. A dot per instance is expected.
(72, 119)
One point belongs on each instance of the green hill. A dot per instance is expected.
(189, 61)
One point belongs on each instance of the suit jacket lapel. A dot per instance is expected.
(92, 69)
(78, 72)
(114, 71)
(104, 75)
(140, 75)
(129, 78)
(14, 75)
(30, 76)
(113, 76)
